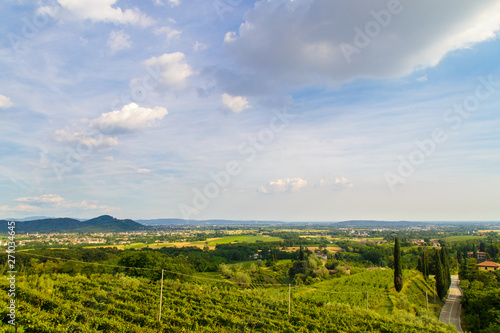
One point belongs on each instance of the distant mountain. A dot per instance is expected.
(392, 224)
(204, 222)
(104, 223)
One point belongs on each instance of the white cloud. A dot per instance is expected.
(300, 41)
(230, 37)
(172, 3)
(170, 33)
(283, 185)
(172, 70)
(130, 118)
(5, 102)
(52, 202)
(337, 183)
(103, 11)
(109, 158)
(19, 208)
(118, 40)
(235, 104)
(53, 199)
(143, 171)
(422, 78)
(88, 138)
(199, 46)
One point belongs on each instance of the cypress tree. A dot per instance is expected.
(425, 265)
(440, 283)
(446, 268)
(398, 270)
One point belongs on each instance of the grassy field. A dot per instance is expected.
(462, 238)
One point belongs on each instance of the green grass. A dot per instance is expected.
(463, 238)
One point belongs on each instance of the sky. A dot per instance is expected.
(290, 110)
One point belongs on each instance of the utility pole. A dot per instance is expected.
(161, 296)
(289, 297)
(427, 300)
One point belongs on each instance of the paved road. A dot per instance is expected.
(450, 313)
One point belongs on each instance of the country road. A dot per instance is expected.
(450, 313)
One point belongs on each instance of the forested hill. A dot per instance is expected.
(104, 223)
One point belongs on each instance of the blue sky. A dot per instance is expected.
(304, 110)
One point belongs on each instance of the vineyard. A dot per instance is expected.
(120, 303)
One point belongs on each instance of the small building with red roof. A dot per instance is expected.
(488, 266)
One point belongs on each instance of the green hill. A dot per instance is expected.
(104, 223)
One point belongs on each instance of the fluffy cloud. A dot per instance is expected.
(170, 33)
(130, 118)
(118, 40)
(172, 70)
(338, 41)
(103, 11)
(5, 102)
(283, 185)
(143, 171)
(235, 104)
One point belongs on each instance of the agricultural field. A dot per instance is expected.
(462, 238)
(240, 239)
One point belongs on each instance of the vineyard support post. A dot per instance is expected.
(161, 296)
(366, 300)
(289, 297)
(427, 300)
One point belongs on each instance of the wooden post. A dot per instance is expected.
(367, 300)
(427, 300)
(161, 296)
(289, 297)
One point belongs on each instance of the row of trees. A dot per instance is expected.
(441, 268)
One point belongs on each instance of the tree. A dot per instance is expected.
(440, 280)
(482, 247)
(398, 271)
(426, 265)
(446, 268)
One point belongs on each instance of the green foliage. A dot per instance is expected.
(120, 303)
(398, 270)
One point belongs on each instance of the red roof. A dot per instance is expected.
(488, 264)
